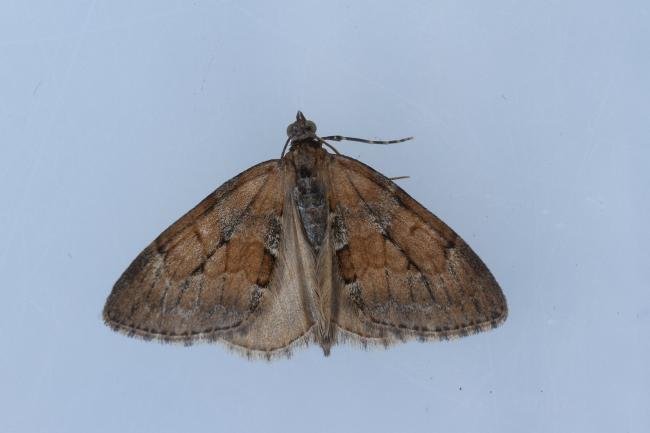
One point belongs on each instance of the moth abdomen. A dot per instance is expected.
(309, 196)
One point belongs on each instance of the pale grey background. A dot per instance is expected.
(532, 132)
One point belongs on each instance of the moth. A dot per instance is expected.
(314, 247)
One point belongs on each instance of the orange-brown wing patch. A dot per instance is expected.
(208, 275)
(404, 272)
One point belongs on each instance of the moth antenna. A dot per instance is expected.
(285, 146)
(363, 140)
(322, 141)
(399, 177)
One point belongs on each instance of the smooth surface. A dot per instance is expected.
(531, 125)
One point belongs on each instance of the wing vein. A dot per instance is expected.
(386, 233)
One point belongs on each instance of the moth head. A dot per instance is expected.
(301, 128)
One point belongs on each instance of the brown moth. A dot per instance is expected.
(313, 247)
